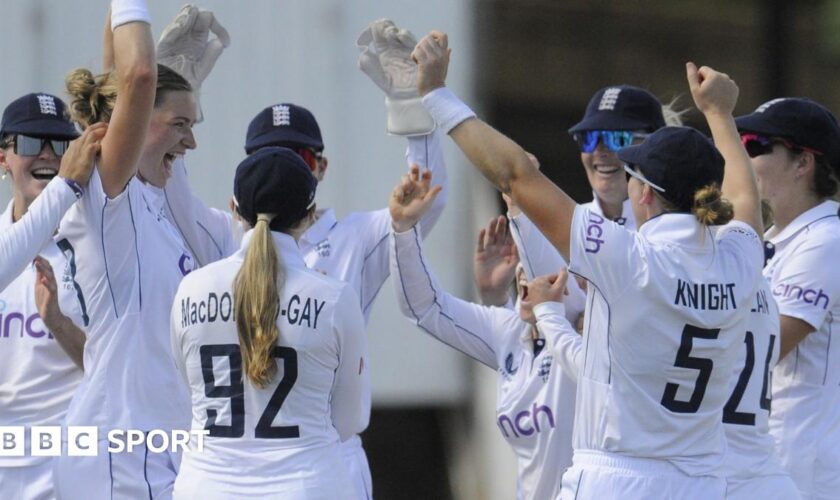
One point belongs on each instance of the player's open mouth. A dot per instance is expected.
(606, 169)
(168, 159)
(44, 173)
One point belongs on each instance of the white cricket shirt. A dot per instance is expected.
(750, 449)
(355, 249)
(209, 233)
(37, 377)
(278, 433)
(662, 339)
(21, 241)
(535, 399)
(129, 261)
(804, 276)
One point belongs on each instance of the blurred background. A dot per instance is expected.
(526, 66)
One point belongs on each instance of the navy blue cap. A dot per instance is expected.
(622, 107)
(274, 180)
(38, 115)
(802, 121)
(679, 160)
(283, 124)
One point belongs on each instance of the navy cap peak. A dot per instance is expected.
(39, 115)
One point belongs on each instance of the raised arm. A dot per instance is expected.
(715, 94)
(499, 159)
(134, 63)
(545, 296)
(20, 243)
(475, 330)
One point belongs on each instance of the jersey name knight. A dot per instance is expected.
(705, 296)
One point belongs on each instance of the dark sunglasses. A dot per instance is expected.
(758, 145)
(25, 145)
(612, 139)
(310, 155)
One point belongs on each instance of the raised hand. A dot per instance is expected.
(432, 57)
(411, 198)
(77, 162)
(386, 58)
(46, 294)
(713, 91)
(185, 45)
(548, 288)
(494, 262)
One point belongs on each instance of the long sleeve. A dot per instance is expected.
(426, 152)
(539, 257)
(350, 413)
(563, 341)
(211, 234)
(475, 330)
(24, 239)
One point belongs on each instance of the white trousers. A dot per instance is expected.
(596, 475)
(140, 474)
(358, 468)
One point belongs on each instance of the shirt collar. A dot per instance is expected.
(676, 228)
(153, 195)
(626, 219)
(319, 229)
(286, 246)
(827, 208)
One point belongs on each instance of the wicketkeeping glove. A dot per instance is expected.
(186, 47)
(386, 59)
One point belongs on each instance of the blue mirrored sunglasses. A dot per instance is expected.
(612, 139)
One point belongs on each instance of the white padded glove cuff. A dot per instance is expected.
(129, 11)
(447, 110)
(408, 117)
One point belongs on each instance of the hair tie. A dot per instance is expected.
(266, 217)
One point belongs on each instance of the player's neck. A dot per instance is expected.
(612, 210)
(787, 209)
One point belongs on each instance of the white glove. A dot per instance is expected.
(386, 59)
(185, 46)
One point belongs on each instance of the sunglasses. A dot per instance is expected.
(25, 145)
(758, 145)
(612, 139)
(310, 155)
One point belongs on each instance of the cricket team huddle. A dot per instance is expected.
(670, 339)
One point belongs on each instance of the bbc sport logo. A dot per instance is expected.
(83, 441)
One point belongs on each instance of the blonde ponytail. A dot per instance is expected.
(92, 98)
(710, 208)
(256, 292)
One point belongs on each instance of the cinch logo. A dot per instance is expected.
(526, 422)
(185, 264)
(807, 295)
(594, 230)
(47, 104)
(31, 325)
(280, 115)
(609, 99)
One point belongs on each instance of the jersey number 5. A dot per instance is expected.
(236, 393)
(685, 360)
